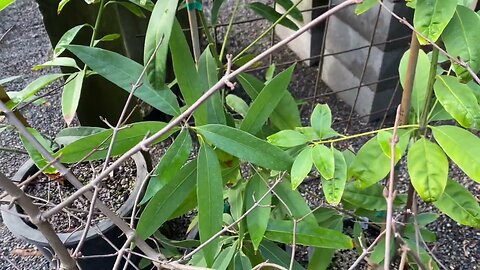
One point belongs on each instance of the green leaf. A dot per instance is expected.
(134, 9)
(170, 163)
(167, 200)
(146, 4)
(365, 6)
(71, 95)
(370, 198)
(321, 119)
(5, 3)
(301, 167)
(159, 30)
(296, 203)
(186, 73)
(272, 253)
(62, 4)
(460, 146)
(112, 37)
(384, 138)
(126, 138)
(58, 61)
(282, 231)
(287, 138)
(9, 79)
(431, 17)
(324, 161)
(270, 72)
(286, 115)
(428, 169)
(124, 72)
(333, 188)
(32, 88)
(459, 204)
(438, 113)
(69, 135)
(266, 101)
(237, 104)
(474, 87)
(257, 220)
(207, 70)
(210, 200)
(241, 261)
(420, 84)
(246, 146)
(462, 40)
(271, 15)
(67, 38)
(225, 257)
(39, 160)
(217, 4)
(295, 13)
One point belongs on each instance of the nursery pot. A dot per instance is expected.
(94, 243)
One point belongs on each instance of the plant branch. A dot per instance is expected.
(366, 251)
(14, 150)
(67, 262)
(229, 27)
(267, 264)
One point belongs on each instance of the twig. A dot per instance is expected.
(14, 150)
(294, 244)
(121, 251)
(228, 83)
(44, 227)
(6, 32)
(390, 196)
(414, 255)
(267, 264)
(366, 251)
(403, 259)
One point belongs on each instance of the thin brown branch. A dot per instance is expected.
(13, 150)
(366, 251)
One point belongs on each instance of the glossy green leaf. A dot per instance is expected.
(175, 157)
(474, 87)
(266, 101)
(62, 4)
(462, 147)
(237, 104)
(69, 135)
(271, 14)
(301, 167)
(462, 40)
(419, 90)
(438, 113)
(295, 13)
(210, 199)
(282, 231)
(287, 138)
(159, 30)
(246, 146)
(321, 119)
(274, 254)
(384, 138)
(324, 160)
(124, 72)
(257, 220)
(39, 160)
(431, 17)
(58, 61)
(32, 88)
(459, 204)
(66, 39)
(241, 262)
(225, 257)
(428, 169)
(333, 188)
(71, 96)
(207, 70)
(286, 115)
(126, 139)
(186, 73)
(5, 3)
(365, 6)
(370, 198)
(216, 5)
(167, 200)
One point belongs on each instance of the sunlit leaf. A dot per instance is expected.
(287, 138)
(71, 96)
(333, 188)
(431, 17)
(324, 161)
(301, 167)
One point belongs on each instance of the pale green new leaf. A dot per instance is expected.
(321, 119)
(67, 38)
(333, 188)
(5, 3)
(462, 147)
(246, 146)
(428, 169)
(71, 95)
(431, 17)
(210, 200)
(458, 100)
(111, 37)
(287, 138)
(324, 160)
(301, 167)
(365, 6)
(237, 104)
(257, 220)
(58, 61)
(459, 204)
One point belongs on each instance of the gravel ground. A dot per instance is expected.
(27, 45)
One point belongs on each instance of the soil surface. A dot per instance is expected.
(27, 45)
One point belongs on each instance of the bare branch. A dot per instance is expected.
(366, 251)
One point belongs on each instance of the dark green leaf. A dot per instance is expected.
(428, 169)
(272, 253)
(266, 101)
(257, 220)
(241, 262)
(301, 167)
(210, 200)
(287, 138)
(146, 4)
(66, 39)
(71, 96)
(324, 160)
(167, 200)
(134, 9)
(170, 163)
(38, 158)
(246, 146)
(462, 147)
(458, 100)
(370, 198)
(207, 70)
(69, 135)
(431, 18)
(295, 13)
(225, 257)
(124, 72)
(217, 4)
(271, 15)
(333, 188)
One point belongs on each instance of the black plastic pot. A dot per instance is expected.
(94, 244)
